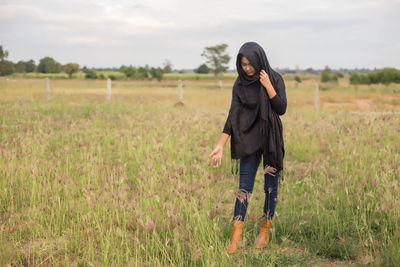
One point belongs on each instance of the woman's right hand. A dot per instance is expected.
(216, 156)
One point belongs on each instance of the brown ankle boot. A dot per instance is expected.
(263, 238)
(236, 239)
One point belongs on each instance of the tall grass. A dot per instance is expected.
(89, 182)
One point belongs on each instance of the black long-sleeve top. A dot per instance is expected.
(278, 104)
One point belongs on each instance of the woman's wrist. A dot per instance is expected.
(270, 91)
(223, 139)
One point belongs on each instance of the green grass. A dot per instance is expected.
(86, 181)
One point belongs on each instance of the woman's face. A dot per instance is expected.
(247, 67)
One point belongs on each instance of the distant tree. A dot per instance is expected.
(216, 57)
(25, 66)
(49, 65)
(6, 67)
(203, 68)
(122, 68)
(20, 67)
(71, 68)
(3, 53)
(84, 69)
(130, 71)
(157, 73)
(30, 66)
(91, 74)
(142, 73)
(167, 66)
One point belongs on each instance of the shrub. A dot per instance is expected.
(203, 68)
(326, 76)
(157, 73)
(141, 73)
(385, 76)
(112, 77)
(91, 74)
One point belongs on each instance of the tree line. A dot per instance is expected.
(216, 62)
(384, 76)
(50, 65)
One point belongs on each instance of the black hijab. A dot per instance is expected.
(257, 115)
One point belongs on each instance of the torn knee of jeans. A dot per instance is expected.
(276, 199)
(242, 195)
(268, 191)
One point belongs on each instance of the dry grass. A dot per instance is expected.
(86, 181)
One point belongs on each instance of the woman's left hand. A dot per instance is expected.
(264, 79)
(266, 82)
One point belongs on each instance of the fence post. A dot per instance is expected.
(220, 84)
(316, 96)
(108, 88)
(47, 90)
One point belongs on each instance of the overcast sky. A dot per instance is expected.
(110, 33)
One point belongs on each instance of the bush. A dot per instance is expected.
(91, 74)
(112, 77)
(142, 73)
(203, 68)
(327, 76)
(129, 71)
(297, 79)
(385, 76)
(157, 73)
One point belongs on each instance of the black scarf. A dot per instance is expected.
(270, 125)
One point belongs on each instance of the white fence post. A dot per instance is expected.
(316, 96)
(220, 84)
(47, 90)
(108, 88)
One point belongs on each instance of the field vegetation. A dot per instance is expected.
(90, 182)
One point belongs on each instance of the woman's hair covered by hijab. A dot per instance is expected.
(258, 59)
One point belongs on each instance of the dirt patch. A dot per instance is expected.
(363, 103)
(337, 104)
(357, 103)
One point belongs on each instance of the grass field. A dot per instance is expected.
(90, 182)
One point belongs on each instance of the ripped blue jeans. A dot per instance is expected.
(248, 171)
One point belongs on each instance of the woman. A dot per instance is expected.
(258, 98)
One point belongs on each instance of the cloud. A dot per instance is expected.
(308, 33)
